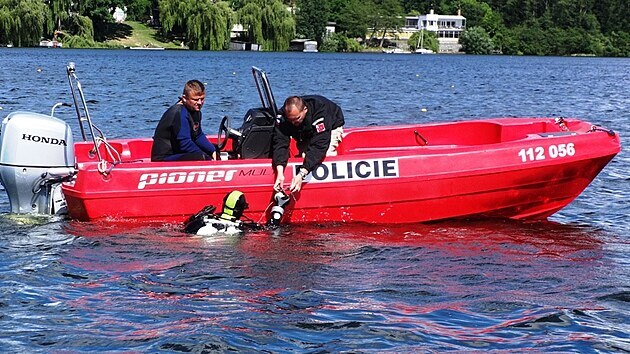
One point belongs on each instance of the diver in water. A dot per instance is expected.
(207, 223)
(229, 222)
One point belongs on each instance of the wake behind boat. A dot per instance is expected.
(516, 168)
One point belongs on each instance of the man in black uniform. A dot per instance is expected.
(316, 123)
(178, 136)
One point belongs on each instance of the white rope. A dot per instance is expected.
(112, 153)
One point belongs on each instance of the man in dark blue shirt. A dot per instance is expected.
(178, 136)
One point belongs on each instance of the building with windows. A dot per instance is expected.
(448, 28)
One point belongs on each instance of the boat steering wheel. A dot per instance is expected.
(224, 132)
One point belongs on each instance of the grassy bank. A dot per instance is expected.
(136, 34)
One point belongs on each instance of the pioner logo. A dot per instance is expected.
(185, 177)
(43, 139)
(354, 170)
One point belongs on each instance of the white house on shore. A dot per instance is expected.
(448, 28)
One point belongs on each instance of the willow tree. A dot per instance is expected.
(24, 22)
(209, 25)
(6, 24)
(173, 14)
(268, 23)
(60, 10)
(206, 24)
(250, 16)
(278, 26)
(80, 32)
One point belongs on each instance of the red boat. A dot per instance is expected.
(516, 168)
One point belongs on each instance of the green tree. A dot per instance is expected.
(60, 10)
(492, 22)
(518, 11)
(475, 40)
(339, 43)
(311, 19)
(353, 18)
(529, 39)
(100, 12)
(610, 13)
(139, 10)
(173, 14)
(572, 13)
(417, 6)
(473, 10)
(6, 24)
(206, 24)
(268, 23)
(617, 44)
(209, 24)
(250, 16)
(278, 26)
(81, 26)
(387, 16)
(24, 22)
(426, 39)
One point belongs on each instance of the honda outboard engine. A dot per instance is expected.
(36, 155)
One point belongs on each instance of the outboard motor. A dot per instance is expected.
(36, 155)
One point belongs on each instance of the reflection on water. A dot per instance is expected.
(458, 285)
(461, 285)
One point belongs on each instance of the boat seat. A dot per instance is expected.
(256, 138)
(257, 143)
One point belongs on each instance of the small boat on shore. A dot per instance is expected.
(50, 43)
(515, 168)
(424, 51)
(420, 49)
(395, 50)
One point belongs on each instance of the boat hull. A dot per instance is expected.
(502, 168)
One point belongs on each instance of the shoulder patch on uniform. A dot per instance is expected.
(319, 125)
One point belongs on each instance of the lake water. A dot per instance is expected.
(561, 285)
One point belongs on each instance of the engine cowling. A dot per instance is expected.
(36, 155)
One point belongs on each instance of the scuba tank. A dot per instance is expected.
(197, 221)
(281, 199)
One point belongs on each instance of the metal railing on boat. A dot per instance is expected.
(114, 155)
